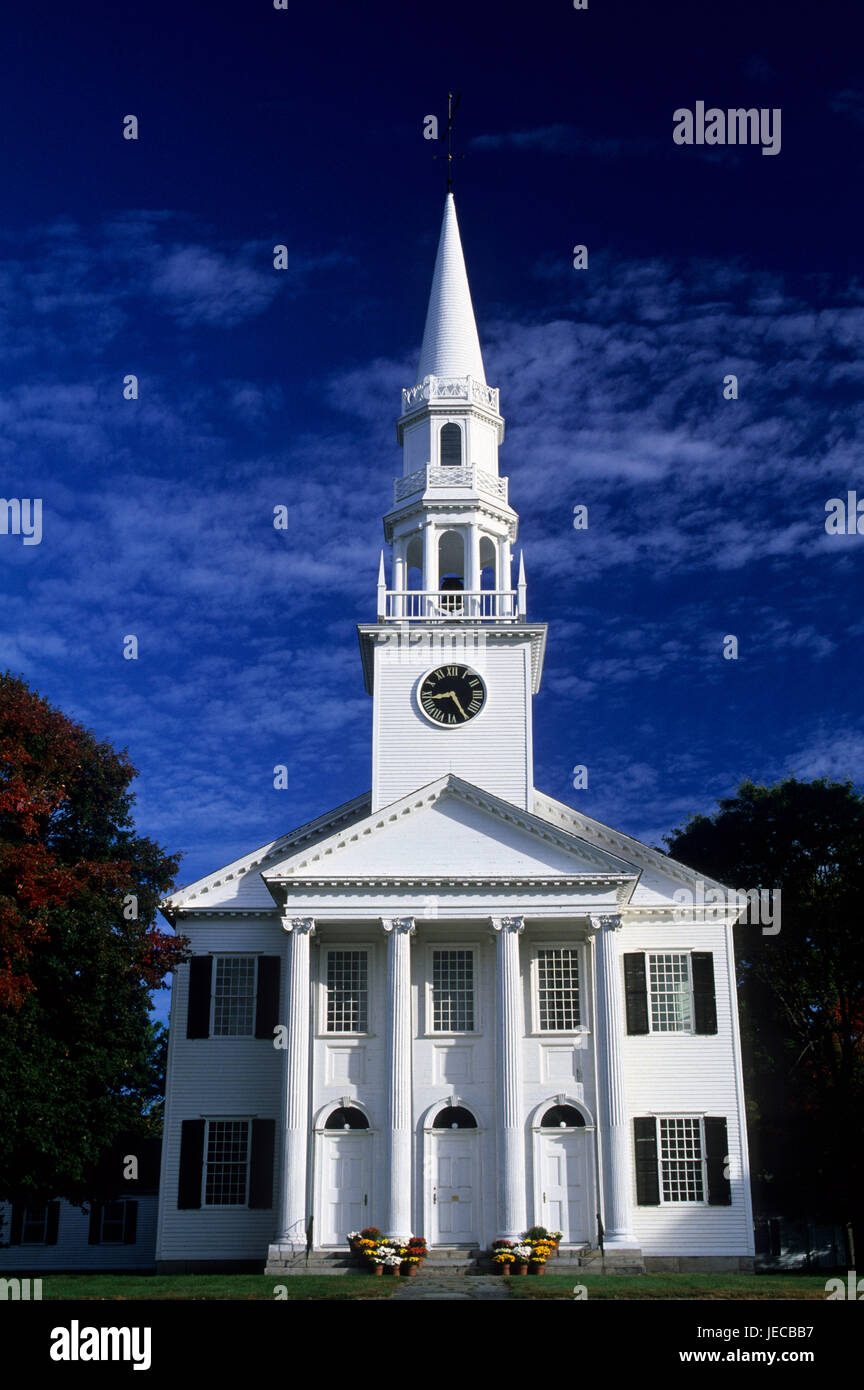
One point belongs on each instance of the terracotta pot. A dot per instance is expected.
(536, 1269)
(520, 1269)
(377, 1269)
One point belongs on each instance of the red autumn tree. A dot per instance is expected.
(80, 951)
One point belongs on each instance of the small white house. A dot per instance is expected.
(454, 1006)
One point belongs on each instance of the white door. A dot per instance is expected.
(454, 1214)
(344, 1204)
(564, 1175)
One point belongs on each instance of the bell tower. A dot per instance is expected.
(452, 661)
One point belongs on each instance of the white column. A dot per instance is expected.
(504, 578)
(508, 1067)
(614, 1128)
(399, 576)
(430, 562)
(294, 1213)
(472, 569)
(397, 1186)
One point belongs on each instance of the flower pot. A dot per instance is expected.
(503, 1270)
(520, 1269)
(411, 1270)
(377, 1269)
(536, 1269)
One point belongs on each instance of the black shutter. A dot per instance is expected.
(198, 1012)
(53, 1223)
(636, 992)
(191, 1164)
(94, 1235)
(16, 1229)
(716, 1159)
(267, 1006)
(645, 1146)
(261, 1176)
(704, 1005)
(130, 1222)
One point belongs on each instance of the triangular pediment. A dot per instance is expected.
(451, 830)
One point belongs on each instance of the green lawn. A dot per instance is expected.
(215, 1286)
(677, 1286)
(349, 1286)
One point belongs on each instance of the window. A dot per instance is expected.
(113, 1222)
(669, 987)
(347, 992)
(670, 992)
(227, 1163)
(682, 1158)
(346, 1117)
(451, 446)
(453, 991)
(681, 1178)
(234, 996)
(563, 1117)
(454, 1117)
(33, 1229)
(558, 988)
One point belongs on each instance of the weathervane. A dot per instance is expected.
(450, 156)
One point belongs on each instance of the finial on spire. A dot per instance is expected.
(450, 156)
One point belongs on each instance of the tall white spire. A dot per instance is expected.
(450, 343)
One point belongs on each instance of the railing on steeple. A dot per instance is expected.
(450, 388)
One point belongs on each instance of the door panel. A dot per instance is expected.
(346, 1184)
(565, 1185)
(453, 1208)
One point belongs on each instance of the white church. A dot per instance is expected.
(454, 1006)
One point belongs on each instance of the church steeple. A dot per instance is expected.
(451, 526)
(452, 660)
(451, 346)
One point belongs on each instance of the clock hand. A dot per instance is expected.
(458, 705)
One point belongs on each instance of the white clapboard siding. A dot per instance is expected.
(222, 1077)
(687, 1074)
(72, 1251)
(492, 751)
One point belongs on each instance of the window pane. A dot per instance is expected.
(33, 1228)
(227, 1154)
(681, 1160)
(452, 991)
(558, 982)
(234, 1002)
(670, 993)
(347, 992)
(112, 1222)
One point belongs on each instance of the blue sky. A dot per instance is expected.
(260, 387)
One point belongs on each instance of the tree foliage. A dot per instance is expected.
(801, 991)
(80, 953)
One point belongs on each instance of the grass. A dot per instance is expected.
(754, 1287)
(327, 1287)
(256, 1287)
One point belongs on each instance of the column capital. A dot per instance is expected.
(304, 925)
(497, 925)
(399, 925)
(606, 921)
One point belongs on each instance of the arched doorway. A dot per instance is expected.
(564, 1182)
(344, 1173)
(451, 1175)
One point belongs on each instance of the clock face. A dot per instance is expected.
(451, 695)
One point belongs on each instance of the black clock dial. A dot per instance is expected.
(451, 695)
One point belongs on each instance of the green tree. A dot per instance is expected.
(801, 991)
(80, 954)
